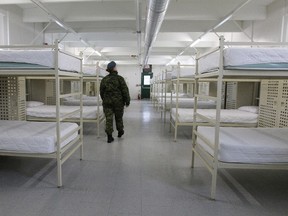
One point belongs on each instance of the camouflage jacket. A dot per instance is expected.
(114, 91)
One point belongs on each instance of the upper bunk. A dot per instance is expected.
(92, 71)
(245, 60)
(38, 60)
(183, 74)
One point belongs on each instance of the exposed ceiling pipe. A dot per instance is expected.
(138, 29)
(155, 16)
(65, 26)
(213, 28)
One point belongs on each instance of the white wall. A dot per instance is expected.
(20, 32)
(132, 75)
(269, 29)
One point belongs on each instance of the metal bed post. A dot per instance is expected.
(177, 101)
(162, 94)
(194, 127)
(165, 99)
(98, 99)
(168, 82)
(58, 133)
(158, 91)
(218, 115)
(81, 109)
(171, 104)
(154, 90)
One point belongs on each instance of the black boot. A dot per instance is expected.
(110, 139)
(120, 133)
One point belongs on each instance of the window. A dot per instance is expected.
(4, 34)
(147, 80)
(2, 29)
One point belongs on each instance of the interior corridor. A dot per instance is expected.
(143, 174)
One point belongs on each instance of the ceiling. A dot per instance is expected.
(110, 26)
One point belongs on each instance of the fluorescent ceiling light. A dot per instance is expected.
(59, 23)
(195, 42)
(84, 42)
(222, 22)
(98, 53)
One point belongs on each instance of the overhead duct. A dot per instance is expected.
(155, 16)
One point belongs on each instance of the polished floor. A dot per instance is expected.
(143, 174)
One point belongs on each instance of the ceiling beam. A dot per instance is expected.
(23, 2)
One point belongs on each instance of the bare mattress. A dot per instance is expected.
(249, 145)
(33, 137)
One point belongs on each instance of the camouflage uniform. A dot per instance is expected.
(115, 95)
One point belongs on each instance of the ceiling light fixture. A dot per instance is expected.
(193, 43)
(220, 23)
(58, 23)
(62, 24)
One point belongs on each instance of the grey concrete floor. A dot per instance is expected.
(144, 173)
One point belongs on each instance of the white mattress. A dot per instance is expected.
(234, 57)
(76, 102)
(33, 137)
(168, 95)
(185, 72)
(249, 145)
(92, 71)
(40, 57)
(48, 111)
(227, 116)
(87, 101)
(189, 103)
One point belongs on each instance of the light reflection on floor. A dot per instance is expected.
(146, 116)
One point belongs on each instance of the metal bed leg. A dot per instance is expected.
(81, 151)
(193, 146)
(59, 172)
(193, 159)
(175, 133)
(214, 184)
(98, 127)
(170, 127)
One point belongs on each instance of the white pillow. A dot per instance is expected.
(251, 109)
(34, 103)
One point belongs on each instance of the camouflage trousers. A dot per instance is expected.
(110, 112)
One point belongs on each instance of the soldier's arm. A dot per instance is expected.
(125, 91)
(102, 88)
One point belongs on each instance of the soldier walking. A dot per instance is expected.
(115, 95)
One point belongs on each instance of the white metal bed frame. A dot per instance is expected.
(178, 80)
(61, 154)
(98, 120)
(221, 75)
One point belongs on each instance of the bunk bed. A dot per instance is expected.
(180, 77)
(48, 113)
(243, 148)
(92, 76)
(57, 139)
(229, 117)
(92, 105)
(159, 93)
(167, 96)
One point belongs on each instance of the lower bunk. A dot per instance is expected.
(92, 114)
(241, 148)
(246, 116)
(40, 140)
